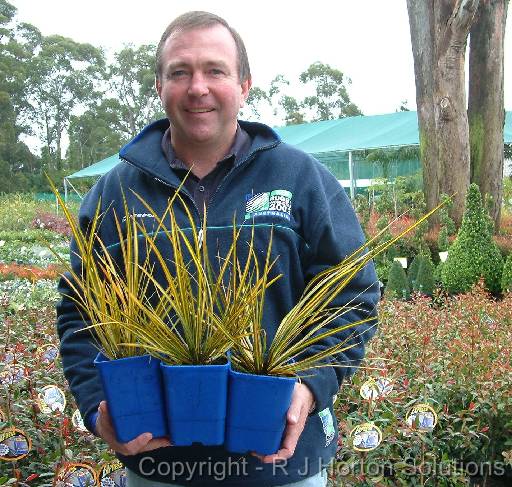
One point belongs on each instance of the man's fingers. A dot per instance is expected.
(142, 443)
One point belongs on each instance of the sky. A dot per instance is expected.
(368, 40)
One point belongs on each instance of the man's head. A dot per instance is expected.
(203, 80)
(198, 20)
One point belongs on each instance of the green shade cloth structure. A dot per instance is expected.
(98, 168)
(333, 141)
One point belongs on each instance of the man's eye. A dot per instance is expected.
(217, 71)
(178, 73)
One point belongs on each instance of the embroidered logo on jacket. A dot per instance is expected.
(273, 203)
(328, 425)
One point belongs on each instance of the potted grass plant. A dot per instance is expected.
(263, 375)
(107, 295)
(196, 317)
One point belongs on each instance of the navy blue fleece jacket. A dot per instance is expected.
(273, 186)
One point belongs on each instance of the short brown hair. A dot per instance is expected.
(196, 20)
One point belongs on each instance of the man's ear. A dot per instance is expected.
(158, 87)
(246, 87)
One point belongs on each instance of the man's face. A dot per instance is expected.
(199, 87)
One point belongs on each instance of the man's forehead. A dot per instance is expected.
(177, 34)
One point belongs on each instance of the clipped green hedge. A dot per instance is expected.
(473, 254)
(425, 282)
(506, 278)
(398, 285)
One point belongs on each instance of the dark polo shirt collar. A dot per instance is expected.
(203, 189)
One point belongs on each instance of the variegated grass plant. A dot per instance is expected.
(192, 317)
(305, 324)
(106, 293)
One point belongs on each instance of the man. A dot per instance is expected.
(243, 169)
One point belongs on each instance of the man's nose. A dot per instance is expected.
(198, 85)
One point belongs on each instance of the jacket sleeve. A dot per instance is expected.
(78, 348)
(334, 236)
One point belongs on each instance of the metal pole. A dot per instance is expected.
(351, 175)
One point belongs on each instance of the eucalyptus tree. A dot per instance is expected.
(95, 134)
(331, 99)
(131, 79)
(439, 34)
(62, 78)
(17, 42)
(486, 112)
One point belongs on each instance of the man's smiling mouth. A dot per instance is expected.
(199, 110)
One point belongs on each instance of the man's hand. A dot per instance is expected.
(302, 401)
(142, 443)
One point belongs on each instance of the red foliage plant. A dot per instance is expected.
(50, 221)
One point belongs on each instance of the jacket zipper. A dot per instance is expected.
(189, 196)
(250, 157)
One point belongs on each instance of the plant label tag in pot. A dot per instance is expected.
(14, 444)
(366, 437)
(51, 399)
(112, 474)
(3, 418)
(421, 417)
(80, 474)
(78, 422)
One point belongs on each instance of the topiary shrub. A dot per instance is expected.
(506, 278)
(425, 282)
(412, 271)
(438, 273)
(398, 285)
(473, 254)
(442, 240)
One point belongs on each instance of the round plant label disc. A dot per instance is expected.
(49, 353)
(369, 390)
(421, 417)
(51, 399)
(77, 421)
(366, 437)
(373, 389)
(14, 444)
(385, 386)
(112, 474)
(12, 374)
(76, 475)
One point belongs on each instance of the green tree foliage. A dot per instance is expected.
(132, 80)
(331, 99)
(62, 77)
(473, 254)
(442, 240)
(94, 135)
(397, 286)
(412, 271)
(275, 101)
(506, 278)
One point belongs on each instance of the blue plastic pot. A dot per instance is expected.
(133, 389)
(196, 398)
(257, 407)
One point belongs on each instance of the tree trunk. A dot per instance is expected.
(439, 31)
(486, 111)
(422, 39)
